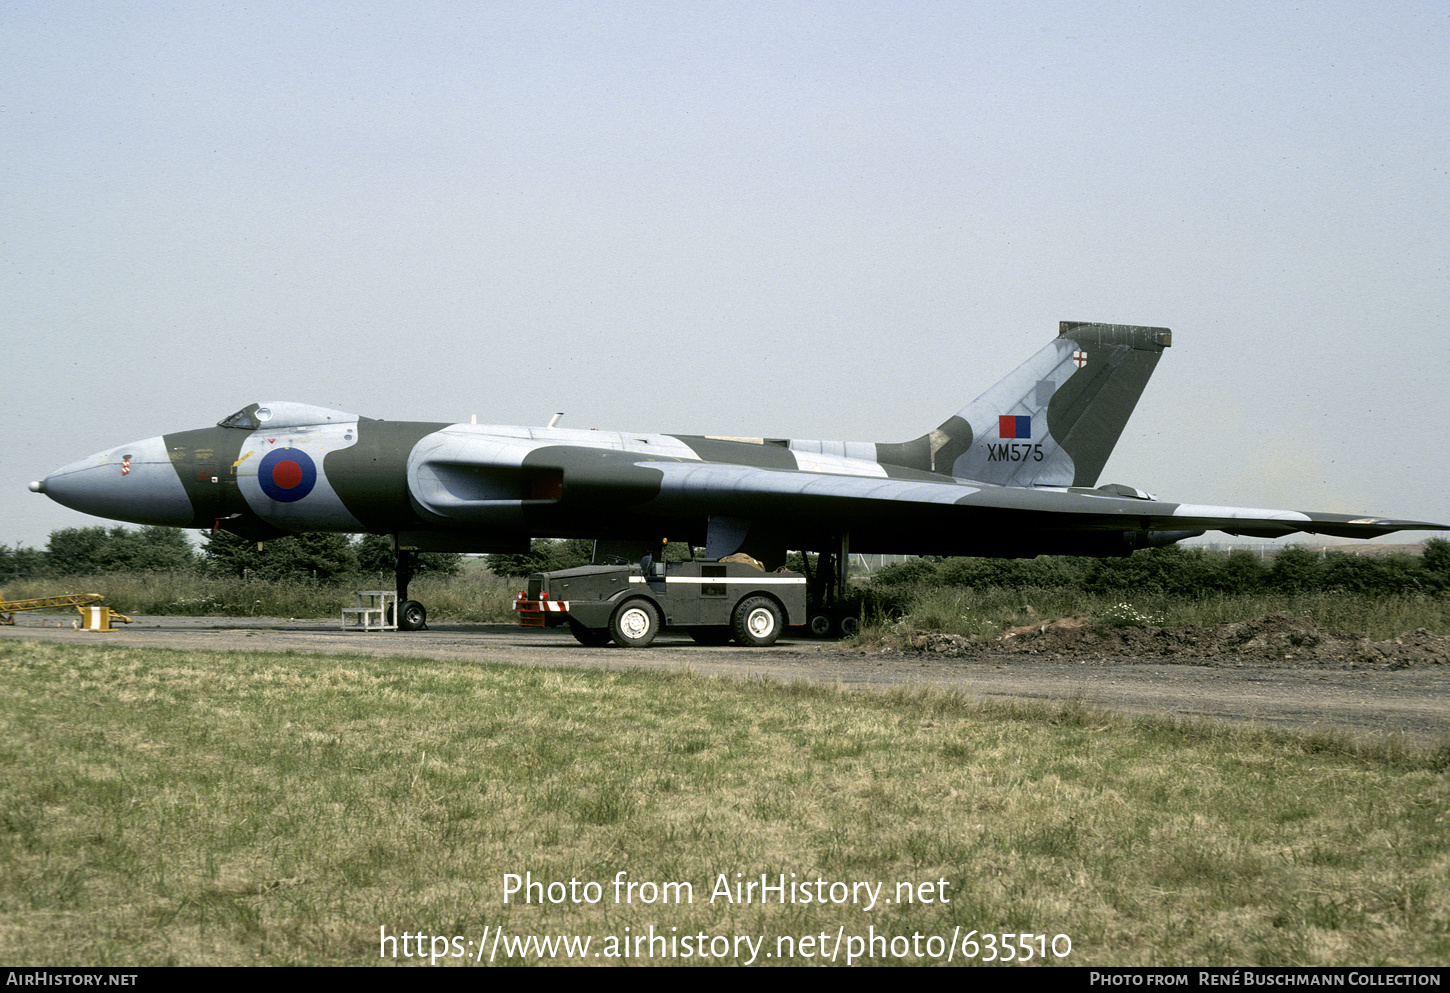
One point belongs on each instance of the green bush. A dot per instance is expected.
(1436, 564)
(318, 555)
(73, 551)
(1187, 572)
(19, 562)
(544, 555)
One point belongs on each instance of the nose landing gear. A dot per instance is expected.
(412, 615)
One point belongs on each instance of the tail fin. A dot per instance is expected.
(1052, 422)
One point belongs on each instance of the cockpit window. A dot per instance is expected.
(246, 418)
(279, 414)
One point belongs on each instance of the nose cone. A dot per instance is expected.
(134, 483)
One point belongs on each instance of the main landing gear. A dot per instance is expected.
(412, 615)
(829, 614)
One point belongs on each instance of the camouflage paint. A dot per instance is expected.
(1008, 475)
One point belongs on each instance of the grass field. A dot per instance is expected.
(232, 808)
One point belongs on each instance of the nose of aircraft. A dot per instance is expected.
(135, 483)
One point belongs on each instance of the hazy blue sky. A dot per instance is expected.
(819, 220)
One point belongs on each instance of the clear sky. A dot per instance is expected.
(813, 220)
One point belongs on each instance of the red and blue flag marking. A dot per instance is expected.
(1014, 426)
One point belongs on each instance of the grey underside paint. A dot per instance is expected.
(607, 492)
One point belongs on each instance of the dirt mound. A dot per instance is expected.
(1275, 637)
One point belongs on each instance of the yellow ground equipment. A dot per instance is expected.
(93, 617)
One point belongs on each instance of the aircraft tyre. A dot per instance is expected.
(592, 637)
(713, 634)
(820, 625)
(849, 626)
(634, 624)
(412, 616)
(758, 622)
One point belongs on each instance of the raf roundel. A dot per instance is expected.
(287, 474)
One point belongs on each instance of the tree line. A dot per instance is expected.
(97, 550)
(317, 555)
(1190, 572)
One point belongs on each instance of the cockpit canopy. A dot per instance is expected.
(285, 414)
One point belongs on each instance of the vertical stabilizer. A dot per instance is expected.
(1054, 420)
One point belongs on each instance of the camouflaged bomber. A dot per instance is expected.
(1014, 473)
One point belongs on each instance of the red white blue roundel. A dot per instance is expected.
(287, 474)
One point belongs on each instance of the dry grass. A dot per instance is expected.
(471, 596)
(230, 808)
(989, 612)
(480, 597)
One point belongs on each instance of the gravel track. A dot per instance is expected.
(1364, 702)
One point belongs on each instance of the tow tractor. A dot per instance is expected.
(629, 604)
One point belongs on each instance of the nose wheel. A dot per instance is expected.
(412, 615)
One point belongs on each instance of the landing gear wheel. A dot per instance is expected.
(850, 626)
(634, 624)
(713, 635)
(820, 625)
(592, 637)
(757, 622)
(412, 616)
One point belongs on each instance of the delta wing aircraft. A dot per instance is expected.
(1012, 474)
